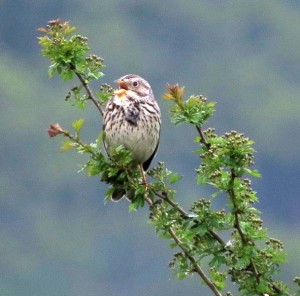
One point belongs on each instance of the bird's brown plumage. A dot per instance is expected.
(132, 119)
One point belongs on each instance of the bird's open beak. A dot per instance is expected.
(121, 91)
(121, 84)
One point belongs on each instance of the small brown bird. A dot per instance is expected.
(132, 119)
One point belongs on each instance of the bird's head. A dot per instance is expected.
(134, 83)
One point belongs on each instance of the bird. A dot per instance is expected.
(132, 118)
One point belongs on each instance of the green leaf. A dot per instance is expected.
(137, 202)
(181, 275)
(108, 194)
(174, 178)
(201, 229)
(132, 208)
(214, 195)
(52, 69)
(77, 125)
(67, 74)
(217, 261)
(67, 145)
(254, 173)
(94, 75)
(100, 138)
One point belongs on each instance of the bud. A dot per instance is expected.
(175, 93)
(54, 130)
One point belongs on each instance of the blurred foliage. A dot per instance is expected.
(57, 238)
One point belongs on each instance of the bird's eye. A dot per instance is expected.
(135, 83)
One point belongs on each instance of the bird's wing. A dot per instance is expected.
(147, 163)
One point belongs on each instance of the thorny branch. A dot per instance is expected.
(186, 252)
(197, 267)
(165, 197)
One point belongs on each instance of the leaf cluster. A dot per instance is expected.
(119, 171)
(249, 257)
(68, 55)
(195, 110)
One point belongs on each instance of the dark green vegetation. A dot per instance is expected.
(58, 239)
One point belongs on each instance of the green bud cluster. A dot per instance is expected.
(105, 93)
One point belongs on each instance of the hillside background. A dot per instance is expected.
(57, 236)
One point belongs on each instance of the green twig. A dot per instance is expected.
(88, 90)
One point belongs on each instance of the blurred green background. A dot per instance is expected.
(57, 236)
